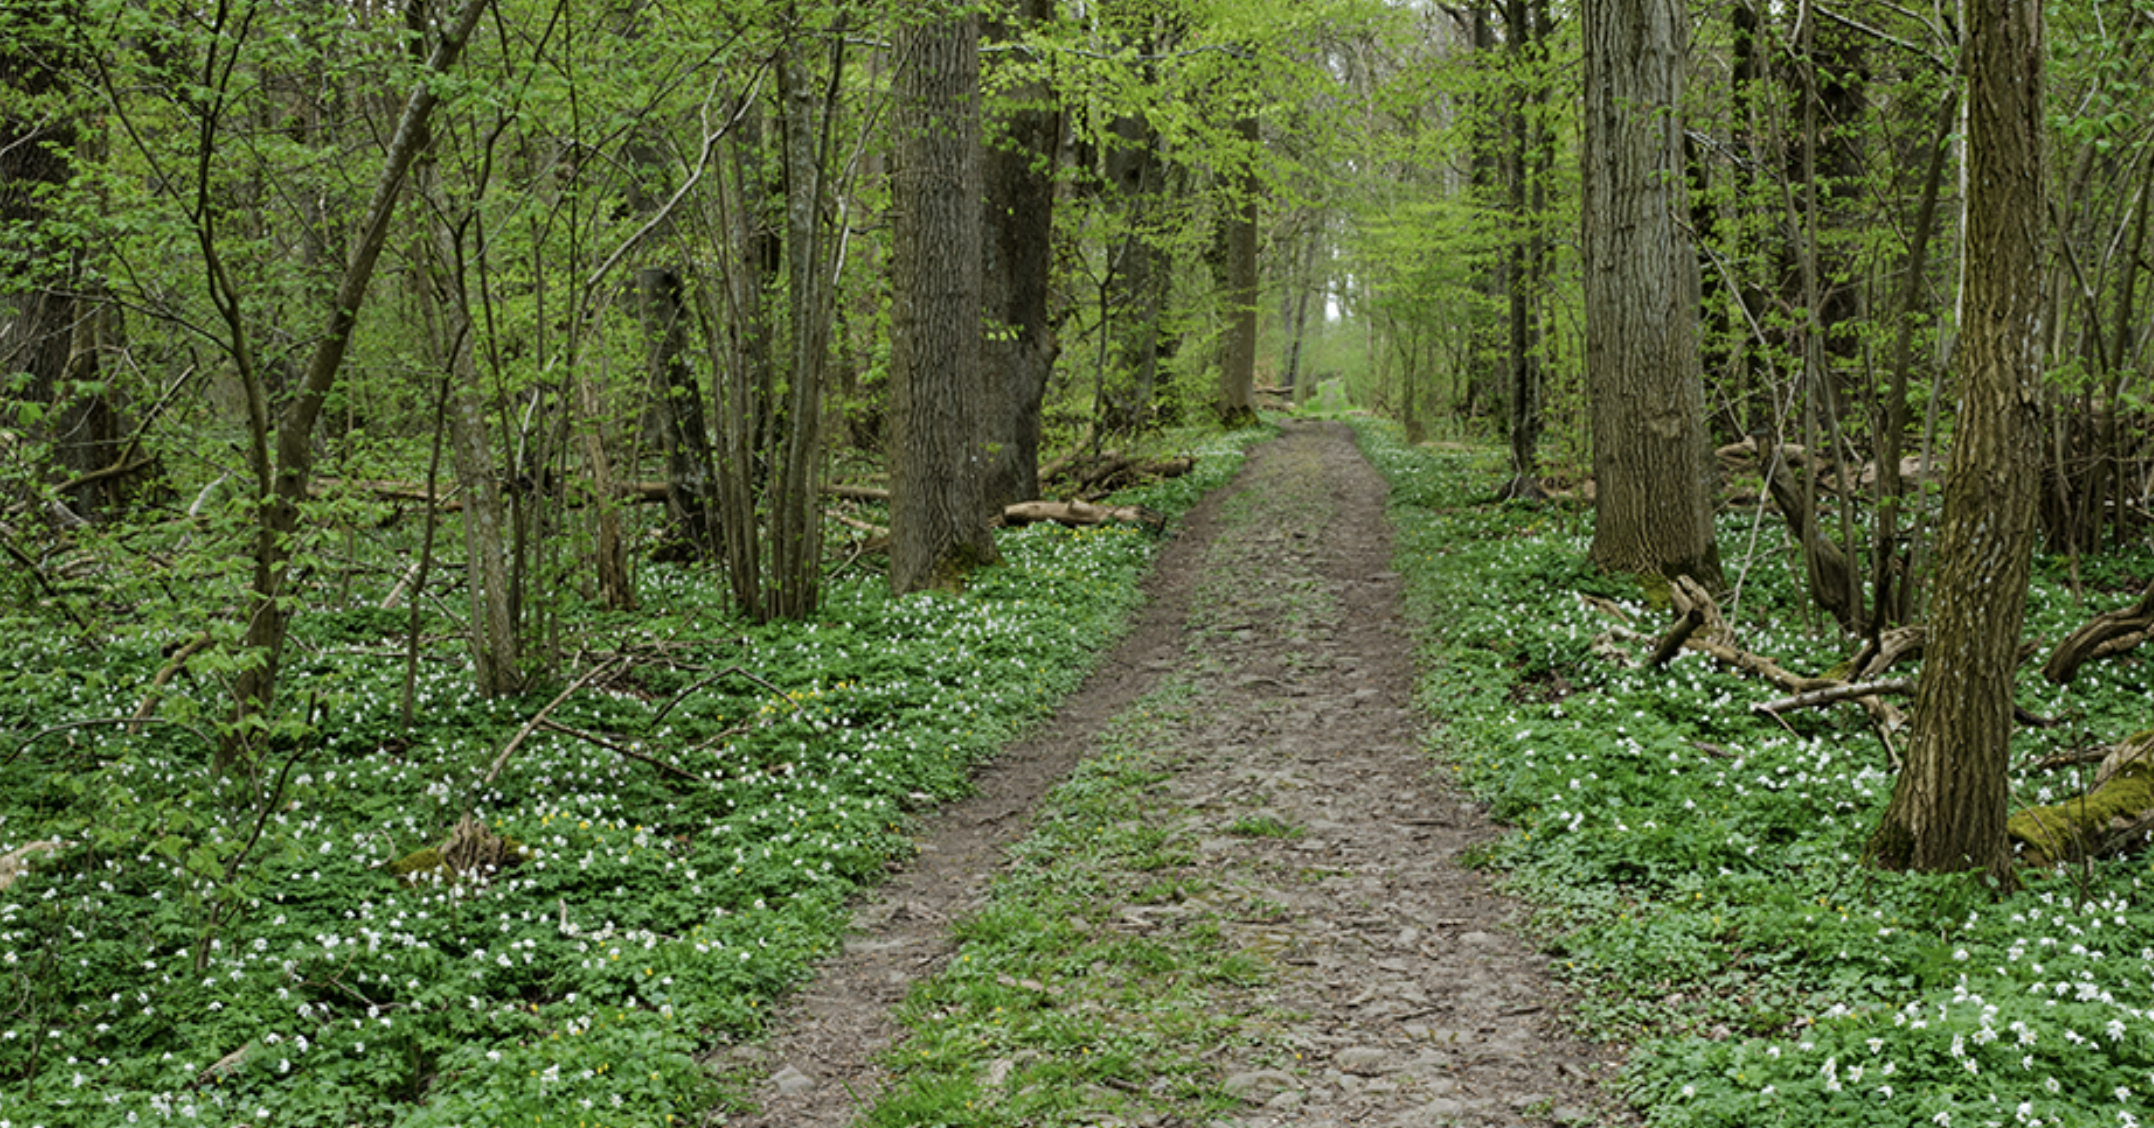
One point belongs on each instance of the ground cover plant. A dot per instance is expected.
(1698, 871)
(675, 847)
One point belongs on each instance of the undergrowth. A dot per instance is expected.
(1698, 872)
(192, 952)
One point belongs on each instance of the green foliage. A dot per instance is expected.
(188, 919)
(1698, 870)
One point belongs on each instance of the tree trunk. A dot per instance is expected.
(1019, 353)
(688, 453)
(1524, 254)
(938, 465)
(1140, 274)
(495, 651)
(1237, 368)
(794, 585)
(1650, 460)
(1948, 809)
(277, 517)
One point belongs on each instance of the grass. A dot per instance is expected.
(197, 954)
(1063, 1004)
(1698, 871)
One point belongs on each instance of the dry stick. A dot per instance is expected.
(41, 734)
(157, 684)
(1849, 692)
(611, 746)
(1676, 637)
(502, 758)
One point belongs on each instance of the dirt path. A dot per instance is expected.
(1409, 1001)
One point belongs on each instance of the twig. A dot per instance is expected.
(611, 746)
(177, 663)
(41, 734)
(501, 759)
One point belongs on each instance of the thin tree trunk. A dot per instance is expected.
(277, 519)
(1237, 375)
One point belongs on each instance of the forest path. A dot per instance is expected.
(1397, 992)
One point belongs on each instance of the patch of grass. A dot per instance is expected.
(1698, 870)
(1263, 826)
(1087, 986)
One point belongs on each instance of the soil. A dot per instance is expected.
(1408, 994)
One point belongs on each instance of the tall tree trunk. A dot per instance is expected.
(938, 464)
(1301, 280)
(1140, 274)
(1653, 506)
(1237, 368)
(52, 314)
(1948, 808)
(1524, 253)
(1019, 353)
(796, 528)
(496, 656)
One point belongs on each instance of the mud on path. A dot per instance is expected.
(1398, 992)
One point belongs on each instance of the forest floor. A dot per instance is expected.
(1294, 782)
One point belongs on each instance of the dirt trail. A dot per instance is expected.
(1410, 1001)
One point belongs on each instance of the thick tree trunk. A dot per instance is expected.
(1650, 459)
(1020, 198)
(1948, 809)
(938, 465)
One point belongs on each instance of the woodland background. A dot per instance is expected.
(361, 361)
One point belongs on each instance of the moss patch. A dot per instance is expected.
(2061, 831)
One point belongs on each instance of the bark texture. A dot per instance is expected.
(1650, 459)
(1237, 368)
(938, 463)
(1026, 135)
(1948, 809)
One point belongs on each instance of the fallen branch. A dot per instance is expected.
(1851, 691)
(502, 758)
(621, 750)
(1677, 635)
(2107, 635)
(1081, 513)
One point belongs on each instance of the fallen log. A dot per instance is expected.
(2113, 817)
(1852, 691)
(2107, 635)
(1080, 514)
